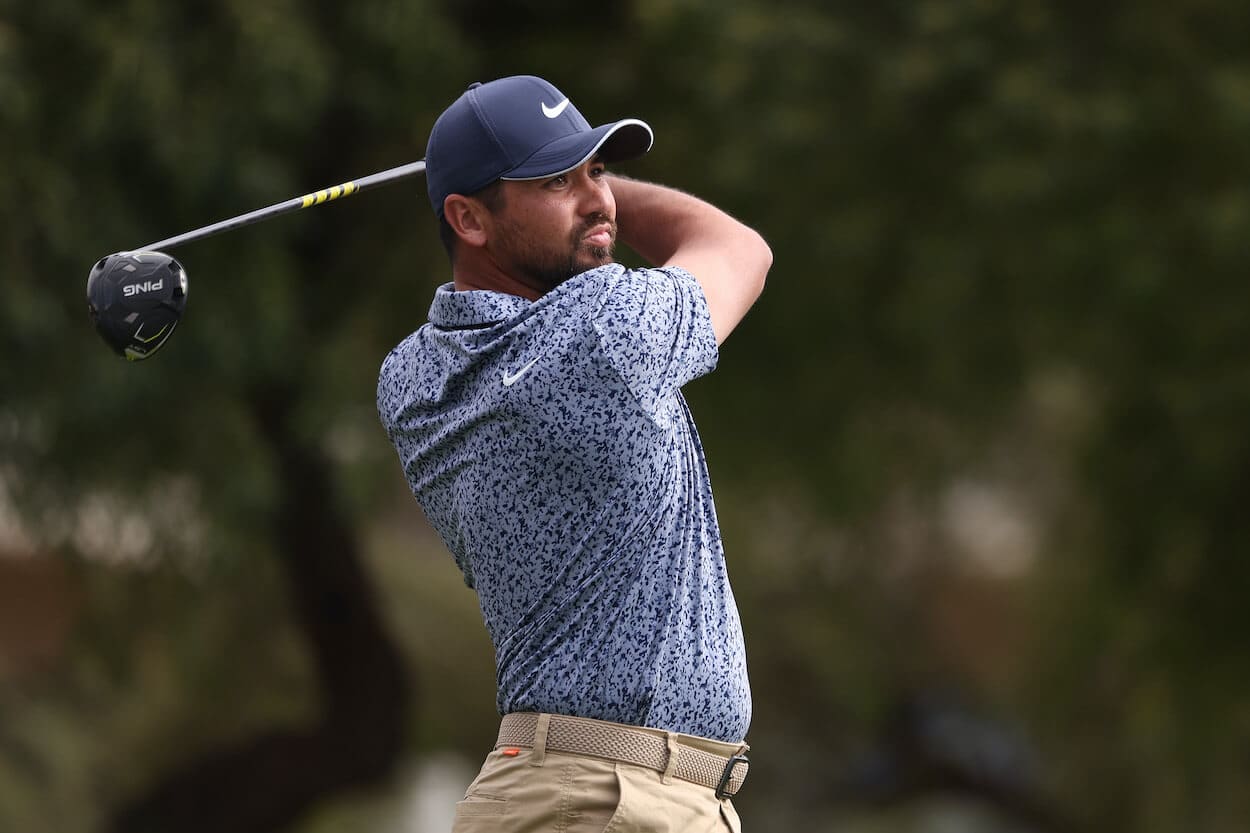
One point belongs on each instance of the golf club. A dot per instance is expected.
(136, 298)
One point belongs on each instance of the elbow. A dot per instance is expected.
(762, 261)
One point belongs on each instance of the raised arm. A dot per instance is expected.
(672, 228)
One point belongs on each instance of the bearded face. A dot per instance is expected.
(543, 232)
(546, 260)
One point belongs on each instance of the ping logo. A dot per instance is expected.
(132, 289)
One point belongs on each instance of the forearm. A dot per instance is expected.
(668, 227)
(657, 221)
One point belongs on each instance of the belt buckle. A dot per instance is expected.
(728, 774)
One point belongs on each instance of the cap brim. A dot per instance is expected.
(615, 142)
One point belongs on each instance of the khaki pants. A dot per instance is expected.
(542, 791)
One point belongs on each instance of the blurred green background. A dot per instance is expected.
(980, 451)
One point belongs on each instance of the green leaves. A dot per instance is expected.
(1010, 251)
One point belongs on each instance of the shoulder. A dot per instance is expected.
(615, 292)
(617, 278)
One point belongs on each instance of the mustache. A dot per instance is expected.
(594, 222)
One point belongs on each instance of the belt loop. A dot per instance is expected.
(539, 754)
(671, 765)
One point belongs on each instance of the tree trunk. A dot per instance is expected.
(269, 781)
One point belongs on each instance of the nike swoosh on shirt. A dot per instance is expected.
(509, 380)
(552, 112)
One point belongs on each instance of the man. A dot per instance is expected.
(539, 420)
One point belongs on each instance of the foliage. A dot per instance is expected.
(983, 434)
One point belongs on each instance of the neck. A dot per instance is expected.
(473, 270)
(506, 283)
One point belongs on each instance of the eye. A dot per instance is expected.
(597, 170)
(558, 181)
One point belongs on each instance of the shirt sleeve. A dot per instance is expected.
(656, 331)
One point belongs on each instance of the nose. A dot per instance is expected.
(596, 196)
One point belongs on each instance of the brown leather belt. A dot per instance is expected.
(583, 736)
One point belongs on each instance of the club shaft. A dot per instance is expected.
(346, 189)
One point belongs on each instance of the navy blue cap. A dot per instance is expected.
(519, 127)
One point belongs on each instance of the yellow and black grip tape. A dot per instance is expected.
(327, 194)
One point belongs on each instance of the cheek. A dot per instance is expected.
(546, 224)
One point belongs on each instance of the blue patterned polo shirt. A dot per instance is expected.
(549, 444)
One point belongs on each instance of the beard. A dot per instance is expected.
(547, 266)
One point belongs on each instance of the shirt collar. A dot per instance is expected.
(473, 308)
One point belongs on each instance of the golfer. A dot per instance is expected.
(539, 420)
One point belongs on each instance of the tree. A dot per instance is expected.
(982, 435)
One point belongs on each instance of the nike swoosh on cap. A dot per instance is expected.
(552, 112)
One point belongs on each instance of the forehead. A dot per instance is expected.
(592, 162)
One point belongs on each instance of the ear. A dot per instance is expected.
(468, 218)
